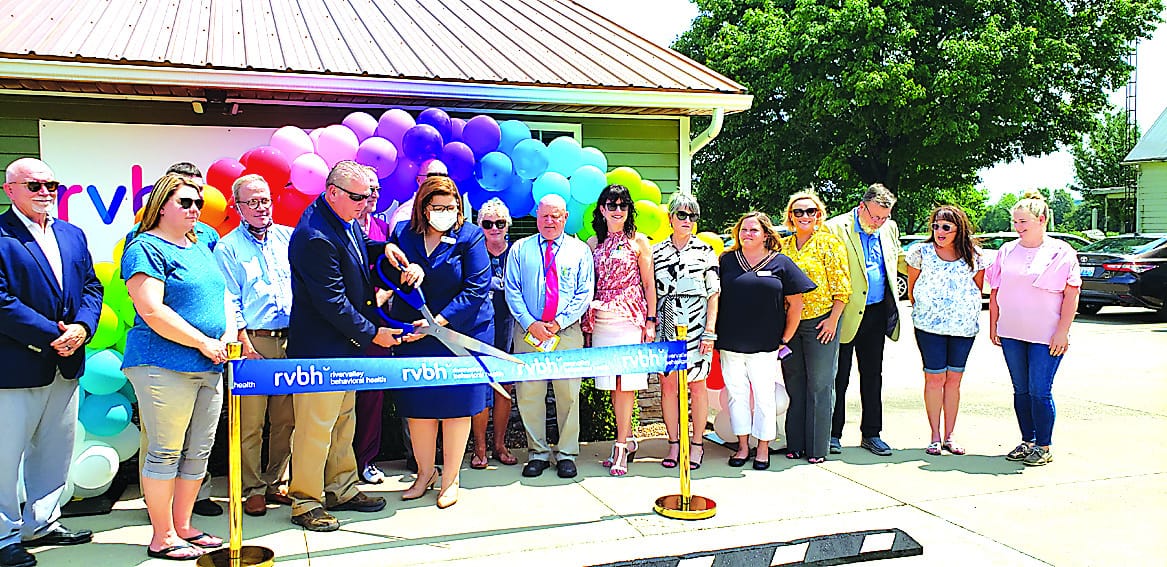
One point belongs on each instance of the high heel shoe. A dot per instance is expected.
(696, 464)
(449, 496)
(670, 462)
(410, 495)
(631, 447)
(619, 466)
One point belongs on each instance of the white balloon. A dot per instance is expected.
(723, 428)
(126, 443)
(67, 494)
(94, 466)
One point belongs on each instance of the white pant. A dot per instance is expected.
(762, 373)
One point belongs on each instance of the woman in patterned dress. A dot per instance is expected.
(624, 308)
(810, 370)
(945, 273)
(687, 288)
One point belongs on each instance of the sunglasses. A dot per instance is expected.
(186, 202)
(356, 197)
(488, 224)
(799, 213)
(685, 216)
(943, 227)
(614, 206)
(35, 186)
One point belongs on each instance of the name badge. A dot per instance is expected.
(449, 240)
(764, 273)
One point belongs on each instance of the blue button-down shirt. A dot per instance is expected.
(873, 257)
(259, 277)
(525, 281)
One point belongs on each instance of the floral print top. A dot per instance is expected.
(824, 260)
(946, 299)
(618, 284)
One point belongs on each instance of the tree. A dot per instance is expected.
(914, 95)
(1098, 165)
(999, 217)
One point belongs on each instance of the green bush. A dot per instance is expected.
(597, 421)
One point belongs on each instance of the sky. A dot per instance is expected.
(661, 21)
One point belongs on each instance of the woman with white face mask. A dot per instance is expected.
(457, 284)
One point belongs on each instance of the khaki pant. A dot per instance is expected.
(252, 411)
(532, 400)
(324, 467)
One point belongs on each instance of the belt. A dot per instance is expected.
(273, 333)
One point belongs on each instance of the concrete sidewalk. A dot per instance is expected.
(1101, 502)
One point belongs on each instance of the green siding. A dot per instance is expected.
(1152, 197)
(18, 138)
(650, 146)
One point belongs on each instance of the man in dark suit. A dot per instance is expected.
(332, 317)
(50, 301)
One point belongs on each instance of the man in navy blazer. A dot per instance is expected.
(50, 301)
(332, 317)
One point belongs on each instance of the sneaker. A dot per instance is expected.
(836, 446)
(876, 445)
(1020, 452)
(1038, 457)
(361, 503)
(316, 520)
(372, 474)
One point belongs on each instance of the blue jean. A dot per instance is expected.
(1032, 369)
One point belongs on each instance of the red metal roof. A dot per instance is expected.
(517, 42)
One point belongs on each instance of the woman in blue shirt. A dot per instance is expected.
(174, 359)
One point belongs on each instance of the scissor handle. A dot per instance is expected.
(390, 278)
(394, 323)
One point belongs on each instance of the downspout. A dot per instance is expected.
(707, 135)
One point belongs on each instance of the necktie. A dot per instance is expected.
(551, 273)
(353, 237)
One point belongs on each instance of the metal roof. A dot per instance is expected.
(1153, 145)
(298, 45)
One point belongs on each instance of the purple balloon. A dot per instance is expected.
(482, 134)
(459, 160)
(456, 126)
(437, 118)
(421, 142)
(361, 124)
(378, 153)
(393, 124)
(385, 199)
(403, 182)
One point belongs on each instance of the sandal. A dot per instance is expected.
(1020, 452)
(619, 466)
(694, 465)
(670, 462)
(205, 541)
(816, 460)
(795, 455)
(933, 448)
(478, 463)
(951, 446)
(173, 553)
(630, 448)
(504, 457)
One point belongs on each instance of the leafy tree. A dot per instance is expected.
(999, 217)
(1098, 165)
(915, 95)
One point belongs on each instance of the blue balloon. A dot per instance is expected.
(105, 415)
(575, 216)
(587, 181)
(593, 156)
(517, 197)
(493, 171)
(103, 373)
(437, 118)
(548, 183)
(563, 155)
(513, 132)
(530, 158)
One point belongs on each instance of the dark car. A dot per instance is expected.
(1129, 270)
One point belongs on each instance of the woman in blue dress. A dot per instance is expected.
(456, 286)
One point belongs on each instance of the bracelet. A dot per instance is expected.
(650, 318)
(708, 336)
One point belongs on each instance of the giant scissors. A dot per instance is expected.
(389, 277)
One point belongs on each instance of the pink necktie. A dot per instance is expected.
(551, 300)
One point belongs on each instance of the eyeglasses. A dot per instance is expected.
(875, 217)
(943, 227)
(35, 186)
(186, 202)
(685, 216)
(442, 208)
(487, 224)
(614, 206)
(799, 213)
(356, 197)
(255, 204)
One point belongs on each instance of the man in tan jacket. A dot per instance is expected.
(872, 243)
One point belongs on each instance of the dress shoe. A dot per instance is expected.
(278, 498)
(876, 445)
(15, 555)
(761, 465)
(61, 535)
(207, 507)
(360, 503)
(255, 505)
(566, 469)
(449, 496)
(316, 520)
(738, 461)
(535, 468)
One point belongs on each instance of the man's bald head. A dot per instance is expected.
(551, 216)
(19, 170)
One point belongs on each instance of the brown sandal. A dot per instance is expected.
(504, 457)
(478, 463)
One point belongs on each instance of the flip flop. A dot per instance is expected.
(476, 463)
(505, 458)
(205, 541)
(168, 553)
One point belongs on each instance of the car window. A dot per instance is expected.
(1125, 245)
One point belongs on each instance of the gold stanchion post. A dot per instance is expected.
(685, 506)
(236, 554)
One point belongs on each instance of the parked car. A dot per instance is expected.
(906, 241)
(1128, 270)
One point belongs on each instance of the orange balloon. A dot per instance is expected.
(230, 222)
(214, 206)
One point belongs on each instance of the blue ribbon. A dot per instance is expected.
(270, 377)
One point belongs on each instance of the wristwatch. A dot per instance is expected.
(651, 318)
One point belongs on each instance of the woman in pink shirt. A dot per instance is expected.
(1035, 282)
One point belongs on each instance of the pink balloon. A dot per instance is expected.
(361, 124)
(393, 124)
(336, 143)
(292, 142)
(308, 174)
(378, 153)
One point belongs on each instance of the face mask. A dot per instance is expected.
(258, 232)
(443, 220)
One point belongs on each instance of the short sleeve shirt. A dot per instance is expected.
(751, 310)
(947, 299)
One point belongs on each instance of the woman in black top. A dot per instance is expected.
(760, 308)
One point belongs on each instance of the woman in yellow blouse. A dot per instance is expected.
(810, 370)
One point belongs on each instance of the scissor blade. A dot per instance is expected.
(458, 350)
(454, 338)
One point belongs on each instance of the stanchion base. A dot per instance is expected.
(249, 556)
(699, 508)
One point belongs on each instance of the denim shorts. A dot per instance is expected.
(943, 352)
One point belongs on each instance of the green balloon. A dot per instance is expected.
(625, 176)
(109, 329)
(645, 191)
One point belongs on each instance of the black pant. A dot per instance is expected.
(868, 348)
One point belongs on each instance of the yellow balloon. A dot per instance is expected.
(104, 271)
(117, 251)
(214, 206)
(713, 240)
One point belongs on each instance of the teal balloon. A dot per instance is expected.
(587, 181)
(493, 171)
(103, 373)
(594, 157)
(563, 155)
(575, 216)
(548, 183)
(105, 415)
(128, 392)
(513, 132)
(530, 158)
